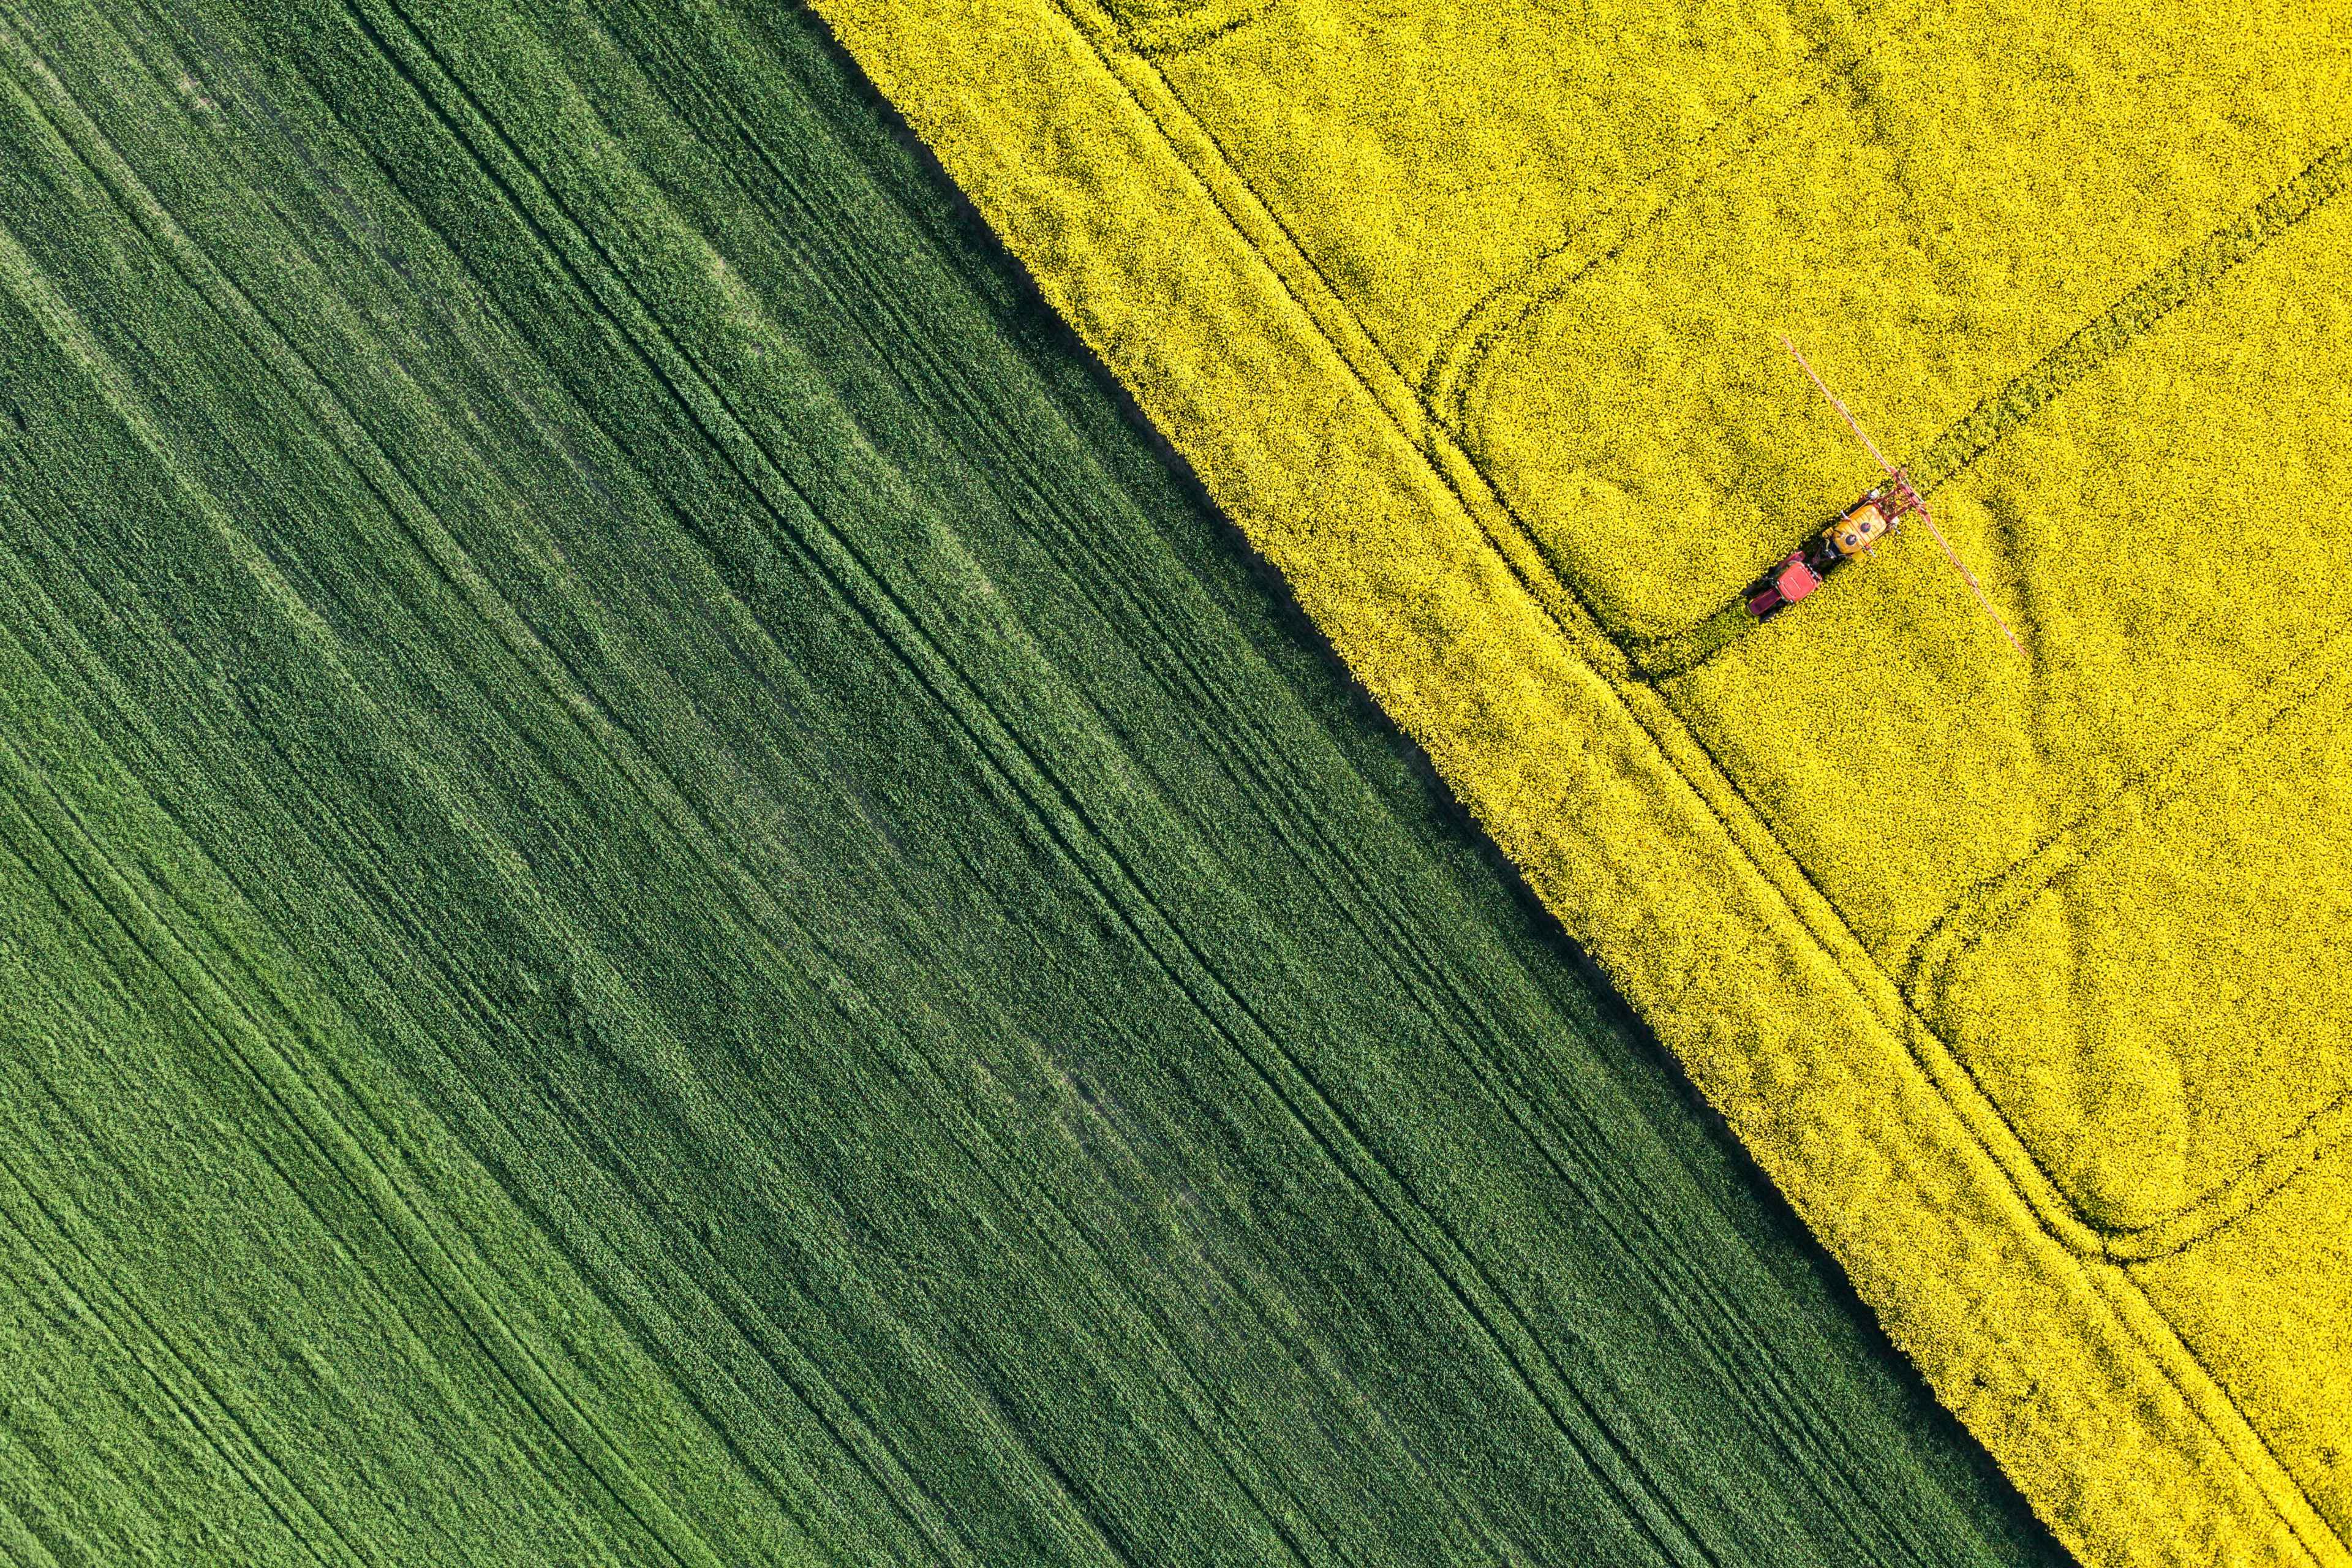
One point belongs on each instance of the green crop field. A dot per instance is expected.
(663, 898)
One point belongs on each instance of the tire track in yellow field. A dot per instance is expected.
(2193, 273)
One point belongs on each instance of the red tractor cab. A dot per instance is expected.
(1787, 582)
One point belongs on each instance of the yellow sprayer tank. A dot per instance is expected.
(1859, 527)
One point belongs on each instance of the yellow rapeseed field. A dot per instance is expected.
(2023, 976)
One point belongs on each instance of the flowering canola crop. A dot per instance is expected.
(2021, 976)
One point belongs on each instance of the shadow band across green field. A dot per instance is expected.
(664, 898)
